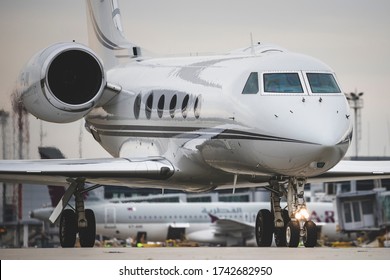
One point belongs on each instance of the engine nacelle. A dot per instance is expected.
(62, 83)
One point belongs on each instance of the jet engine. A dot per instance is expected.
(62, 83)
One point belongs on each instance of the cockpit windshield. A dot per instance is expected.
(322, 83)
(252, 84)
(282, 82)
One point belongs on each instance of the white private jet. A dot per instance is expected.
(259, 116)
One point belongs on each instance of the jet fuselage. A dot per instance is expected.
(217, 114)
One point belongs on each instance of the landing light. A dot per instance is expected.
(320, 164)
(302, 214)
(317, 164)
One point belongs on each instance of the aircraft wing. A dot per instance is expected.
(95, 171)
(231, 227)
(347, 170)
(117, 171)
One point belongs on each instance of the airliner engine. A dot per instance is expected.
(62, 83)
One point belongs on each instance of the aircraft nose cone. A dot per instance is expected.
(326, 154)
(325, 144)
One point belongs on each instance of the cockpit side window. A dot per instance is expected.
(252, 84)
(282, 83)
(322, 83)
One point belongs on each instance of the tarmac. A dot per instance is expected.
(196, 253)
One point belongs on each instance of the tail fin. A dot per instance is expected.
(105, 33)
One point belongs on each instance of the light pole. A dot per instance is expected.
(3, 120)
(356, 103)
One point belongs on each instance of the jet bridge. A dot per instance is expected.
(365, 211)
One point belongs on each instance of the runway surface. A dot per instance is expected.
(197, 253)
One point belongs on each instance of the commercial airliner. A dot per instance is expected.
(258, 116)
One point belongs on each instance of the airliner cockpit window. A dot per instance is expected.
(322, 83)
(252, 84)
(282, 83)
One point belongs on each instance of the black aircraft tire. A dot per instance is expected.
(292, 234)
(280, 233)
(68, 228)
(87, 235)
(264, 228)
(310, 237)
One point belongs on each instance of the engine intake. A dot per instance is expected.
(62, 83)
(75, 77)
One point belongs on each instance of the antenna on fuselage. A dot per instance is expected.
(252, 46)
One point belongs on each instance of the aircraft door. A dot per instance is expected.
(142, 237)
(176, 233)
(109, 217)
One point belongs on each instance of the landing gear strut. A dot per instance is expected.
(78, 220)
(287, 226)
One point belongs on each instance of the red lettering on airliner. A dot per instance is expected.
(329, 217)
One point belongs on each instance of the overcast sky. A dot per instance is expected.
(352, 36)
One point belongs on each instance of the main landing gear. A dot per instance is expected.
(78, 220)
(286, 226)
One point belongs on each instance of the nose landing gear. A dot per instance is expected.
(309, 234)
(287, 226)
